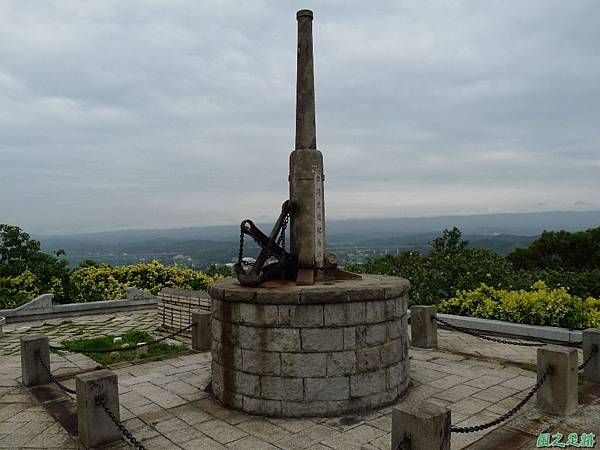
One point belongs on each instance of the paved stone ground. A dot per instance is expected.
(163, 403)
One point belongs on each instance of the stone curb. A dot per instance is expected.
(41, 308)
(517, 330)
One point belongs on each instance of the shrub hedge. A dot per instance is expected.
(538, 306)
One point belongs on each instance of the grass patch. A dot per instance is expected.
(130, 340)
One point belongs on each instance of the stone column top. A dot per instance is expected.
(371, 287)
(304, 13)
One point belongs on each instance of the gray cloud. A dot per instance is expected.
(151, 114)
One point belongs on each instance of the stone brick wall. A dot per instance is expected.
(175, 307)
(281, 354)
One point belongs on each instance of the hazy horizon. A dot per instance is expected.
(145, 115)
(551, 215)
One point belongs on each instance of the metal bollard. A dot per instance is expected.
(558, 394)
(34, 350)
(201, 331)
(591, 355)
(95, 426)
(421, 426)
(423, 326)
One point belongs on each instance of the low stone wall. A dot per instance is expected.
(41, 307)
(175, 306)
(310, 351)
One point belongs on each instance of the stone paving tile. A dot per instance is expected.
(250, 443)
(221, 431)
(457, 393)
(265, 430)
(164, 404)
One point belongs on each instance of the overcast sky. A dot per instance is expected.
(123, 114)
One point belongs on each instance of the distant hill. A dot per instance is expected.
(351, 239)
(524, 224)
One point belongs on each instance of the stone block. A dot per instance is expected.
(390, 353)
(95, 427)
(223, 332)
(322, 339)
(261, 363)
(397, 289)
(242, 382)
(394, 328)
(368, 359)
(279, 340)
(304, 364)
(401, 305)
(256, 314)
(301, 315)
(227, 355)
(426, 423)
(423, 326)
(34, 348)
(278, 296)
(376, 311)
(370, 335)
(276, 388)
(261, 406)
(341, 363)
(397, 375)
(591, 343)
(201, 331)
(367, 383)
(349, 338)
(335, 388)
(558, 394)
(340, 314)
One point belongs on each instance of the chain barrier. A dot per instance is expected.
(65, 389)
(506, 415)
(124, 349)
(483, 336)
(404, 443)
(593, 351)
(130, 437)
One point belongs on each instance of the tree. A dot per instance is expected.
(26, 271)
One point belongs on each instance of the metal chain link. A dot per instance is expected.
(508, 414)
(283, 228)
(482, 336)
(280, 242)
(589, 358)
(137, 444)
(404, 442)
(65, 389)
(125, 349)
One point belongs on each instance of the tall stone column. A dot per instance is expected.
(307, 228)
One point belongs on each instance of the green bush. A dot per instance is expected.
(108, 283)
(449, 267)
(538, 306)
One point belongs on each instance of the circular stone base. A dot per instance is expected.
(303, 351)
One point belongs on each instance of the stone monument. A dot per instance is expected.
(313, 340)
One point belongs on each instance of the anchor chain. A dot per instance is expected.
(63, 388)
(483, 336)
(593, 351)
(130, 437)
(507, 415)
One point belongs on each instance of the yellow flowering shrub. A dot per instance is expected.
(537, 306)
(17, 290)
(109, 283)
